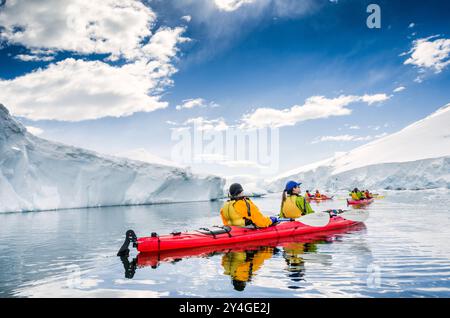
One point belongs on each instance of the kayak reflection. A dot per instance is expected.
(242, 261)
(241, 265)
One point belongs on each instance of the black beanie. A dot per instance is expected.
(235, 189)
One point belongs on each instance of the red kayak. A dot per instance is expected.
(224, 235)
(360, 202)
(323, 198)
(155, 258)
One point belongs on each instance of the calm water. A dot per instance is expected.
(402, 251)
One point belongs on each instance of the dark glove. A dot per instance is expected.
(333, 212)
(274, 219)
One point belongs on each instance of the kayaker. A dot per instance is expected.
(368, 195)
(309, 195)
(356, 194)
(241, 211)
(293, 205)
(361, 195)
(318, 195)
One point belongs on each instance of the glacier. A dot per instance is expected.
(417, 157)
(37, 174)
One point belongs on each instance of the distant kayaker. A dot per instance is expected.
(293, 205)
(318, 195)
(309, 195)
(241, 211)
(368, 195)
(357, 195)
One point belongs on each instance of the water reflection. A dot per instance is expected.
(242, 265)
(292, 253)
(242, 261)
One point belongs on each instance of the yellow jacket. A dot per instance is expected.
(235, 212)
(294, 207)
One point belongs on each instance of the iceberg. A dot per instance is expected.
(37, 174)
(417, 157)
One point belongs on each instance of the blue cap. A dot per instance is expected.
(291, 185)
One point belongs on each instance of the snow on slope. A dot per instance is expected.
(417, 157)
(36, 174)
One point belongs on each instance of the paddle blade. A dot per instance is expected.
(318, 219)
(355, 215)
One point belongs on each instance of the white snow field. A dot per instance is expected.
(37, 174)
(416, 157)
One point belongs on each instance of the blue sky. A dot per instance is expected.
(233, 62)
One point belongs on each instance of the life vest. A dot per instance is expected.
(290, 209)
(234, 218)
(355, 196)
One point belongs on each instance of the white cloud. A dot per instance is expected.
(354, 127)
(186, 18)
(430, 54)
(411, 25)
(163, 44)
(34, 58)
(196, 102)
(315, 107)
(115, 27)
(203, 124)
(346, 138)
(74, 90)
(231, 5)
(377, 98)
(191, 103)
(399, 89)
(279, 8)
(334, 138)
(35, 130)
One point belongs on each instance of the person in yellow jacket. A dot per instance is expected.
(357, 195)
(293, 205)
(318, 195)
(241, 211)
(354, 194)
(241, 265)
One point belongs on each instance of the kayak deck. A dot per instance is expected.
(195, 239)
(360, 202)
(153, 259)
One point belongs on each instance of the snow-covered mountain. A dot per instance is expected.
(417, 157)
(37, 174)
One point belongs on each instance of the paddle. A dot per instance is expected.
(314, 219)
(320, 219)
(353, 215)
